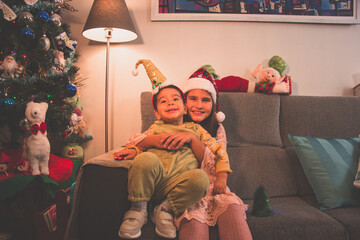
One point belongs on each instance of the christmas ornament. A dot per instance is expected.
(27, 34)
(6, 104)
(71, 90)
(56, 19)
(59, 62)
(30, 2)
(62, 37)
(261, 206)
(277, 63)
(44, 43)
(58, 2)
(10, 68)
(9, 14)
(26, 17)
(43, 15)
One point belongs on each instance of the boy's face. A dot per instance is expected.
(170, 106)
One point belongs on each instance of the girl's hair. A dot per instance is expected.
(154, 100)
(210, 124)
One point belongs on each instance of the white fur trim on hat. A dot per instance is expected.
(200, 83)
(220, 116)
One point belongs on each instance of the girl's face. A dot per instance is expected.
(170, 106)
(199, 104)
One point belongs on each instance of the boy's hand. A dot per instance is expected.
(220, 183)
(176, 140)
(125, 154)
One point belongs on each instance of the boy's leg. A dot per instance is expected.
(145, 172)
(180, 192)
(232, 224)
(183, 190)
(193, 229)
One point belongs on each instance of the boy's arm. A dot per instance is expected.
(176, 140)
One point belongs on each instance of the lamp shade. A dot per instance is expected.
(113, 15)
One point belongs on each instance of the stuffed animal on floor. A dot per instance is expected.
(36, 148)
(268, 79)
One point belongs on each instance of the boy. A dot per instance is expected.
(173, 175)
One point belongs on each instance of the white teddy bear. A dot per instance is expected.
(37, 146)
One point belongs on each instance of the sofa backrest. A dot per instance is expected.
(257, 127)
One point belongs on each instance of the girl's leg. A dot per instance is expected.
(232, 224)
(193, 229)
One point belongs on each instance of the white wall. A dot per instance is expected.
(322, 60)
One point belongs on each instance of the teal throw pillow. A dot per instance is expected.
(330, 165)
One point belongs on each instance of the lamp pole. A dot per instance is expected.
(108, 32)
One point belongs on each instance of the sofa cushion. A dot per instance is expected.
(251, 119)
(330, 166)
(314, 116)
(349, 218)
(254, 166)
(295, 220)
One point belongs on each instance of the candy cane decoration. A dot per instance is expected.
(9, 14)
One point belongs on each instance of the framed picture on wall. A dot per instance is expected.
(294, 11)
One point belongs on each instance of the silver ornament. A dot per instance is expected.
(56, 19)
(44, 43)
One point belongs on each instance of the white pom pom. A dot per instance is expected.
(220, 117)
(135, 72)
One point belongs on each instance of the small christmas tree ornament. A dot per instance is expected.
(6, 104)
(44, 16)
(44, 43)
(26, 18)
(70, 90)
(27, 34)
(30, 2)
(9, 14)
(56, 19)
(261, 206)
(63, 38)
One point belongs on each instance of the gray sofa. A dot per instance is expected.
(260, 154)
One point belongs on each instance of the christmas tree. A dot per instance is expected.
(261, 206)
(36, 63)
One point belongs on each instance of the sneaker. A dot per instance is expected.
(132, 224)
(357, 180)
(164, 222)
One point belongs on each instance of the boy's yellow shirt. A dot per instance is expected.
(221, 156)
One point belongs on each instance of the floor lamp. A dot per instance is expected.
(109, 21)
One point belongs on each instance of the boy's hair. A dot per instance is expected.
(210, 124)
(154, 99)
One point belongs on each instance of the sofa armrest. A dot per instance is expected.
(100, 202)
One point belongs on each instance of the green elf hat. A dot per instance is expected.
(277, 63)
(155, 76)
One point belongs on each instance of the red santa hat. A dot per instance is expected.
(202, 79)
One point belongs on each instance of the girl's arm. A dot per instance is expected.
(220, 183)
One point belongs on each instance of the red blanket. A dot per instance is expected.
(60, 168)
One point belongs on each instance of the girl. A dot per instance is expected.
(219, 206)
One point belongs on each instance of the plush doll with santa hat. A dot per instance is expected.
(268, 79)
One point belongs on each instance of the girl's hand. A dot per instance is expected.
(125, 154)
(176, 140)
(220, 183)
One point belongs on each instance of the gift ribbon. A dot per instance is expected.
(35, 128)
(9, 14)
